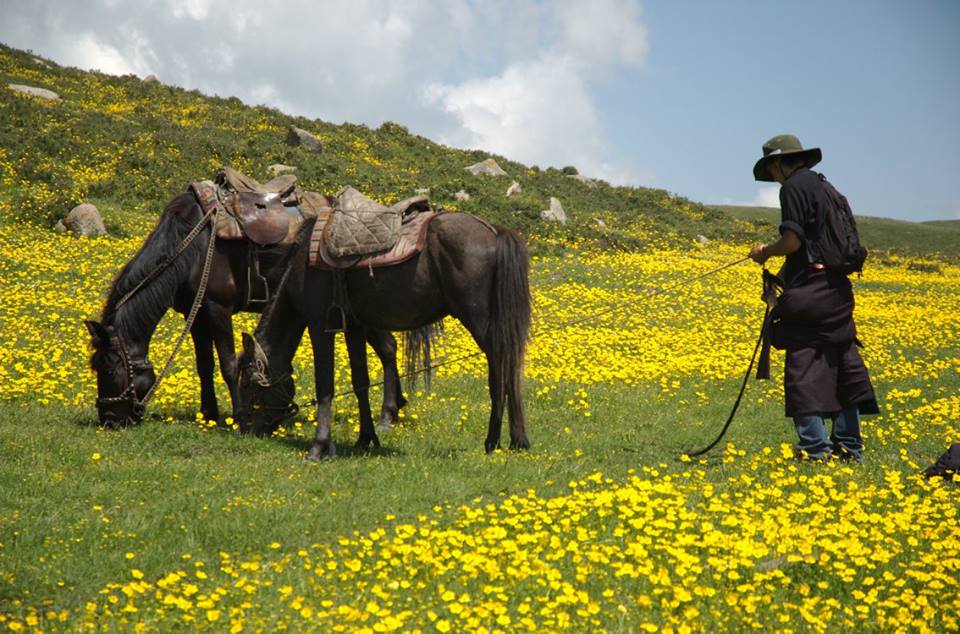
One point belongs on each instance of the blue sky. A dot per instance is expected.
(677, 95)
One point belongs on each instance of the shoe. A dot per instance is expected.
(947, 465)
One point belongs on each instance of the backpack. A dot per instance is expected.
(839, 243)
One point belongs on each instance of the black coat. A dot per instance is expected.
(813, 321)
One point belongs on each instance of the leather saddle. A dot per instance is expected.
(266, 214)
(259, 214)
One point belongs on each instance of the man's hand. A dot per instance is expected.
(758, 254)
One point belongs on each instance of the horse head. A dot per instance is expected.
(122, 379)
(264, 399)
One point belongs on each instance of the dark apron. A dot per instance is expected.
(813, 321)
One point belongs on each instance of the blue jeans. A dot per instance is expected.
(844, 442)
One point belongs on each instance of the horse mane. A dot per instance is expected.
(138, 317)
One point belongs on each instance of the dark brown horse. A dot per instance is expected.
(121, 340)
(467, 269)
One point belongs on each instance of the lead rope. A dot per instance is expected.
(743, 388)
(197, 300)
(572, 322)
(163, 267)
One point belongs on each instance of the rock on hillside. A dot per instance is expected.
(34, 91)
(555, 213)
(589, 182)
(488, 167)
(279, 168)
(84, 220)
(299, 137)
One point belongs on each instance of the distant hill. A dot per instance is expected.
(884, 234)
(130, 145)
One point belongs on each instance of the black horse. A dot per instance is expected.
(468, 269)
(121, 339)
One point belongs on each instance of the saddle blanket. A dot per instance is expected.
(410, 241)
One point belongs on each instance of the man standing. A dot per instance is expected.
(824, 375)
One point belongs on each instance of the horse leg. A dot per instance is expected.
(203, 348)
(360, 378)
(222, 329)
(385, 345)
(518, 426)
(495, 385)
(322, 344)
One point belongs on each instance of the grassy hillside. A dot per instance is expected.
(129, 146)
(882, 234)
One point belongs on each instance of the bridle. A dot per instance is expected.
(209, 200)
(129, 393)
(283, 385)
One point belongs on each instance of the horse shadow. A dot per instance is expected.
(342, 449)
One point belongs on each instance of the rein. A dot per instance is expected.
(212, 208)
(197, 300)
(556, 328)
(743, 387)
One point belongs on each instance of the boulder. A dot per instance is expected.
(422, 191)
(514, 189)
(488, 167)
(151, 79)
(555, 213)
(601, 224)
(301, 138)
(462, 195)
(84, 219)
(279, 168)
(41, 62)
(33, 91)
(702, 239)
(589, 182)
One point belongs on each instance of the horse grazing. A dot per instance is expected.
(121, 339)
(468, 269)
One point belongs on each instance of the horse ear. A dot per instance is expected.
(98, 333)
(249, 344)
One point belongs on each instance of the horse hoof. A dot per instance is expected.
(520, 444)
(320, 452)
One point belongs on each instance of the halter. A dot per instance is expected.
(129, 393)
(260, 377)
(211, 206)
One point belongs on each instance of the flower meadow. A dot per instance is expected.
(603, 526)
(179, 525)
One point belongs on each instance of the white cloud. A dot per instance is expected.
(768, 197)
(89, 52)
(541, 110)
(603, 31)
(515, 77)
(533, 110)
(195, 9)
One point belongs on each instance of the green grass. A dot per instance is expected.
(166, 492)
(76, 499)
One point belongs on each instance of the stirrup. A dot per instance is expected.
(336, 319)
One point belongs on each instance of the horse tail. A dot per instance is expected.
(418, 352)
(510, 323)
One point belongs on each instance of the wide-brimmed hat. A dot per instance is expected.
(784, 145)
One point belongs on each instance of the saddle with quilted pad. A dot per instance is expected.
(410, 240)
(361, 226)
